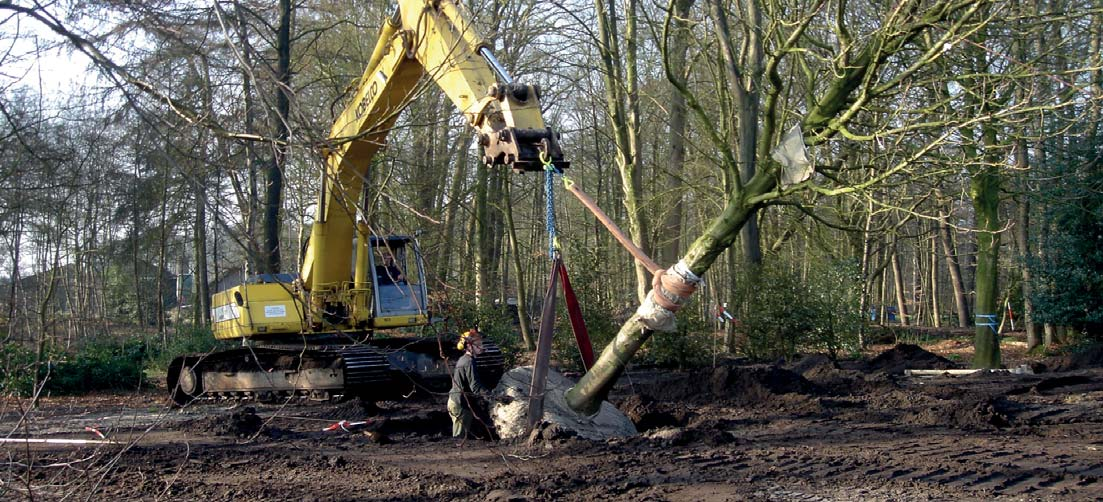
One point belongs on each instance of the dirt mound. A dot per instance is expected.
(1092, 357)
(737, 385)
(972, 413)
(907, 356)
(680, 436)
(815, 364)
(756, 384)
(423, 422)
(833, 379)
(243, 423)
(351, 409)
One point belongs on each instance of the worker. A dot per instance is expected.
(388, 272)
(465, 384)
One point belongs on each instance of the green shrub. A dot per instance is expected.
(689, 347)
(783, 315)
(100, 365)
(1068, 290)
(16, 370)
(97, 364)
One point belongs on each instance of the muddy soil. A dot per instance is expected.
(810, 429)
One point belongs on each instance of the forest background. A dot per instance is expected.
(956, 148)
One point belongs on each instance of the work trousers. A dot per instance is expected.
(461, 417)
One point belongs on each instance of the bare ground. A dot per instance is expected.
(810, 429)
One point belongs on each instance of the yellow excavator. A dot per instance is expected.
(314, 334)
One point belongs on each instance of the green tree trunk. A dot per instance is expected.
(985, 192)
(591, 390)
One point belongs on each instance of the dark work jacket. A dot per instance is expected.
(465, 379)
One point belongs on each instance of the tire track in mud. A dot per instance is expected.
(949, 464)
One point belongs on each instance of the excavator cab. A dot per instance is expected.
(398, 282)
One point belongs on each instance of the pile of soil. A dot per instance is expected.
(907, 356)
(833, 380)
(1092, 357)
(731, 384)
(243, 423)
(971, 413)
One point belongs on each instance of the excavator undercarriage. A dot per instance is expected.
(377, 370)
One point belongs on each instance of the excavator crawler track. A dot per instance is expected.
(379, 370)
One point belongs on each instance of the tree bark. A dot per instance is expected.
(455, 194)
(621, 101)
(249, 199)
(136, 232)
(676, 52)
(202, 309)
(948, 250)
(936, 318)
(483, 242)
(743, 76)
(274, 187)
(898, 285)
(985, 191)
(162, 256)
(518, 271)
(1022, 231)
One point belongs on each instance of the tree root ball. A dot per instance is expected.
(511, 418)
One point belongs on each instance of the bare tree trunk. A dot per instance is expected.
(986, 189)
(898, 285)
(162, 322)
(522, 302)
(483, 244)
(16, 252)
(743, 76)
(936, 317)
(274, 188)
(919, 286)
(1022, 231)
(251, 199)
(455, 192)
(621, 98)
(672, 224)
(136, 232)
(867, 283)
(202, 310)
(948, 250)
(497, 230)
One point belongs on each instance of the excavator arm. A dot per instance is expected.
(424, 39)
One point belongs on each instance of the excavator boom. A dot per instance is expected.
(422, 41)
